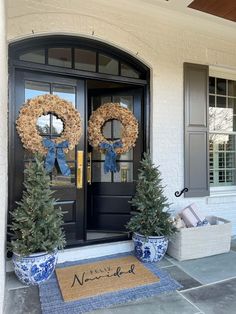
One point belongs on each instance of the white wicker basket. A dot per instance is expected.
(196, 242)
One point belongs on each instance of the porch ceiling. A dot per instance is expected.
(215, 9)
(225, 9)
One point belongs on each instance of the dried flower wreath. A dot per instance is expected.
(42, 105)
(113, 111)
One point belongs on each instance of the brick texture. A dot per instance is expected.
(163, 40)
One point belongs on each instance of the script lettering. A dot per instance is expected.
(118, 273)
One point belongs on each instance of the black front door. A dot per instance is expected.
(101, 203)
(70, 197)
(108, 207)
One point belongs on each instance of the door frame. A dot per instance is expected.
(15, 65)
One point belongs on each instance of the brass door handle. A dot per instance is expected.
(80, 161)
(89, 169)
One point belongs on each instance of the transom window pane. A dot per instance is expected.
(108, 65)
(37, 56)
(128, 71)
(85, 60)
(92, 61)
(60, 57)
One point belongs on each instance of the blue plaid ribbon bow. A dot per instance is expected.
(110, 156)
(56, 153)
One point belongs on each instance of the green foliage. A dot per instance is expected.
(152, 217)
(36, 224)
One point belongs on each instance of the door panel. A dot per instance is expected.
(69, 197)
(109, 194)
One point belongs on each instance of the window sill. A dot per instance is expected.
(221, 196)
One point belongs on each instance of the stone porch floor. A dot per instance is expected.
(209, 287)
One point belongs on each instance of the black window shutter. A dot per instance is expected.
(196, 172)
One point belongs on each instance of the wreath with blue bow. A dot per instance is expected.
(112, 111)
(53, 149)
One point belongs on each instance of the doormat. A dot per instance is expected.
(88, 280)
(52, 300)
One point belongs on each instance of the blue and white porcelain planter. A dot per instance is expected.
(149, 249)
(35, 268)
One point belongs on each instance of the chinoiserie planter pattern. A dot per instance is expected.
(36, 268)
(149, 249)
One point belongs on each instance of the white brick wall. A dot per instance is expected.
(3, 150)
(161, 39)
(164, 41)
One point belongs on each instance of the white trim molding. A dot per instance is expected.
(90, 251)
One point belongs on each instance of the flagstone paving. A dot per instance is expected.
(209, 287)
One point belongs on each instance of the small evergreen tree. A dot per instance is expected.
(36, 224)
(152, 217)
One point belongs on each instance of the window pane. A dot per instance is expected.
(59, 180)
(70, 155)
(60, 57)
(97, 155)
(126, 156)
(28, 155)
(98, 173)
(117, 129)
(232, 88)
(105, 99)
(212, 85)
(57, 125)
(221, 86)
(85, 60)
(221, 119)
(128, 71)
(212, 101)
(125, 101)
(222, 159)
(221, 102)
(108, 65)
(43, 124)
(97, 101)
(33, 89)
(126, 172)
(106, 130)
(37, 56)
(65, 92)
(232, 104)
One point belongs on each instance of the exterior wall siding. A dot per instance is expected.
(163, 41)
(3, 149)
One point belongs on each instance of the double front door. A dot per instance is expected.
(91, 200)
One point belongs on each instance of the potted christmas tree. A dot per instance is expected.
(151, 223)
(36, 227)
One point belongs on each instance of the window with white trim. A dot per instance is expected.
(222, 132)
